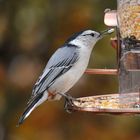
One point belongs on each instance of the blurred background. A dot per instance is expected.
(30, 31)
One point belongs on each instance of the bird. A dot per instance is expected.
(63, 70)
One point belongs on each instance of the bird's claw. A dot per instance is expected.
(69, 103)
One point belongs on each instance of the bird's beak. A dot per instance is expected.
(105, 32)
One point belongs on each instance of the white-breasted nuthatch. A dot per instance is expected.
(64, 69)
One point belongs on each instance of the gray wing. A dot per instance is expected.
(61, 61)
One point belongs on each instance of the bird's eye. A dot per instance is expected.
(92, 34)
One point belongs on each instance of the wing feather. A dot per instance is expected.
(62, 60)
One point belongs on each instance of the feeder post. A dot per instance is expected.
(128, 16)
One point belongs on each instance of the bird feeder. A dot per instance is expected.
(126, 21)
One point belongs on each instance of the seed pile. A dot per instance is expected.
(99, 102)
(111, 101)
(129, 18)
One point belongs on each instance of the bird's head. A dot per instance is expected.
(88, 37)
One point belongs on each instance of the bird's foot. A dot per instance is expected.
(69, 103)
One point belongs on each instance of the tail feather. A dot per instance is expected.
(30, 108)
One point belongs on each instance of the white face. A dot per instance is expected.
(87, 38)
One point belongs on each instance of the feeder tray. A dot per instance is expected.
(108, 104)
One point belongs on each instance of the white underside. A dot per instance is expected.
(68, 80)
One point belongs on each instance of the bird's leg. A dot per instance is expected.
(68, 102)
